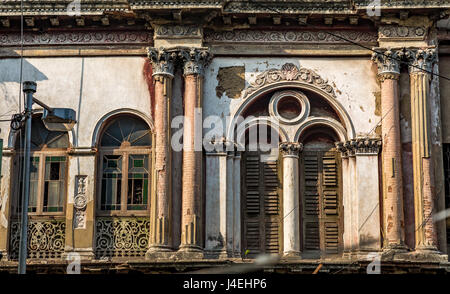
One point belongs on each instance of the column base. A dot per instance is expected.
(188, 252)
(292, 255)
(394, 252)
(159, 252)
(427, 254)
(217, 254)
(3, 255)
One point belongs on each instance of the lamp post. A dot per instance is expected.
(55, 119)
(29, 88)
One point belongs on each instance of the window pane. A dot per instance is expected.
(137, 182)
(111, 182)
(54, 183)
(126, 129)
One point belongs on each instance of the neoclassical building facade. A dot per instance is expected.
(210, 133)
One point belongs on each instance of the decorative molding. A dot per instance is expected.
(393, 32)
(77, 38)
(421, 60)
(219, 146)
(388, 62)
(359, 146)
(163, 61)
(278, 97)
(46, 239)
(290, 72)
(291, 148)
(178, 31)
(295, 37)
(80, 202)
(121, 236)
(195, 60)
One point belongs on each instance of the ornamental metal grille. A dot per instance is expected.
(46, 239)
(121, 236)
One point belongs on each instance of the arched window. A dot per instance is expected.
(124, 167)
(48, 174)
(48, 192)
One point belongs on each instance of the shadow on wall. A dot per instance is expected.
(10, 73)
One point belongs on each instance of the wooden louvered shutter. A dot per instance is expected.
(261, 205)
(271, 207)
(321, 202)
(311, 230)
(252, 234)
(330, 202)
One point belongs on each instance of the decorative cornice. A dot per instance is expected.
(195, 60)
(289, 72)
(163, 61)
(421, 60)
(291, 148)
(359, 146)
(295, 37)
(388, 61)
(77, 38)
(410, 33)
(168, 31)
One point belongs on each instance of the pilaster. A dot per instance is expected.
(420, 67)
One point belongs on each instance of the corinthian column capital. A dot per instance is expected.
(291, 148)
(163, 61)
(388, 62)
(194, 60)
(421, 60)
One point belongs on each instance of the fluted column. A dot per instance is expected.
(393, 217)
(421, 64)
(163, 69)
(194, 60)
(291, 209)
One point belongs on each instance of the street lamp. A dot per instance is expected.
(59, 119)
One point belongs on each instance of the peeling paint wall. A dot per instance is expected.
(231, 81)
(444, 85)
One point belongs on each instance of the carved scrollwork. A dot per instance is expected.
(46, 239)
(195, 60)
(80, 202)
(163, 61)
(121, 236)
(298, 37)
(77, 38)
(359, 146)
(290, 72)
(421, 60)
(291, 148)
(388, 62)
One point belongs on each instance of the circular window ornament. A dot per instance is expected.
(289, 107)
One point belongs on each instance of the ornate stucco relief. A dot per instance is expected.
(305, 36)
(290, 72)
(77, 38)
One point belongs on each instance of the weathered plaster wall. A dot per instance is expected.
(91, 86)
(358, 97)
(444, 69)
